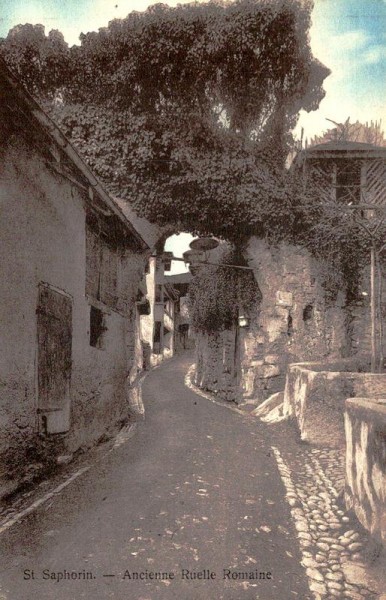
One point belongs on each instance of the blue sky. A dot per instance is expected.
(348, 36)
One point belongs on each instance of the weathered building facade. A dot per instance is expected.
(158, 326)
(70, 270)
(183, 337)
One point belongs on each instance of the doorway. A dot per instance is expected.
(54, 331)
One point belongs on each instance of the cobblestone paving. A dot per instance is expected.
(334, 547)
(330, 543)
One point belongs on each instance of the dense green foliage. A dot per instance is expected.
(219, 294)
(186, 112)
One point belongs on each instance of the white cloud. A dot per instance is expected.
(345, 55)
(374, 54)
(350, 40)
(340, 53)
(339, 106)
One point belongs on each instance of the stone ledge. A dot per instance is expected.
(371, 408)
(353, 364)
(316, 393)
(365, 488)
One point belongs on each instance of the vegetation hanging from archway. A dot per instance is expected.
(219, 294)
(185, 111)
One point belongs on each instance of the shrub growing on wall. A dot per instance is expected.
(219, 294)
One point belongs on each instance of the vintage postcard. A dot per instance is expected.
(193, 300)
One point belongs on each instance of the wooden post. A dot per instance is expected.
(161, 339)
(373, 312)
(379, 312)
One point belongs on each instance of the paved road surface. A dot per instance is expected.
(195, 490)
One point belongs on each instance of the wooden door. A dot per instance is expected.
(54, 325)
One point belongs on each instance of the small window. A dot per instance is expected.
(158, 293)
(157, 338)
(102, 266)
(308, 313)
(348, 181)
(290, 326)
(97, 327)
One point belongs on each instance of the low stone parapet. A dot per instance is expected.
(315, 394)
(365, 489)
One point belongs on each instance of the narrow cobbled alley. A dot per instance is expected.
(181, 510)
(196, 489)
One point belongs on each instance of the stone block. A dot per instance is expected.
(257, 363)
(365, 576)
(267, 371)
(282, 312)
(275, 328)
(272, 402)
(284, 298)
(272, 359)
(365, 426)
(248, 379)
(64, 459)
(315, 394)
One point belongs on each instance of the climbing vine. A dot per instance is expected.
(219, 294)
(334, 232)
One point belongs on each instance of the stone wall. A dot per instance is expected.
(43, 240)
(315, 395)
(298, 318)
(295, 321)
(365, 493)
(147, 321)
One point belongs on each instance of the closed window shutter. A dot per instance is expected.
(93, 264)
(101, 269)
(109, 276)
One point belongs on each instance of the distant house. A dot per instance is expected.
(158, 328)
(183, 337)
(349, 172)
(71, 266)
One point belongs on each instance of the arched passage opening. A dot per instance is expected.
(165, 330)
